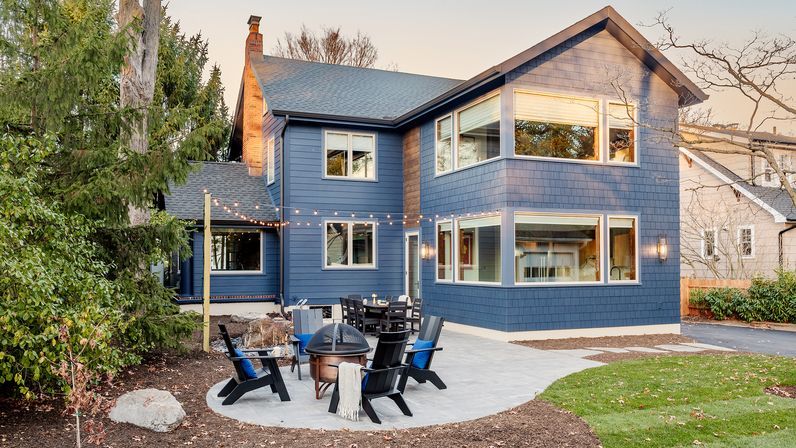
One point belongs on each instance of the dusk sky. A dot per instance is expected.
(459, 39)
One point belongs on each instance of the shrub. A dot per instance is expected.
(721, 301)
(771, 300)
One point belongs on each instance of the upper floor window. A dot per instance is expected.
(443, 144)
(556, 126)
(709, 243)
(746, 243)
(621, 133)
(270, 162)
(478, 132)
(350, 244)
(236, 250)
(350, 155)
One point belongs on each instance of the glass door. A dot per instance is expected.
(412, 274)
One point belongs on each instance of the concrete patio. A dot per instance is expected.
(483, 377)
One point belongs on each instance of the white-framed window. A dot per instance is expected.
(622, 133)
(349, 155)
(270, 151)
(557, 248)
(443, 144)
(709, 242)
(477, 131)
(444, 251)
(746, 241)
(556, 126)
(349, 244)
(622, 249)
(767, 171)
(478, 250)
(236, 251)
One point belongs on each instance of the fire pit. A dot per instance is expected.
(331, 345)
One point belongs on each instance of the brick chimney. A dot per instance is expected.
(252, 141)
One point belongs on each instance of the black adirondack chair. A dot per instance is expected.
(430, 330)
(382, 375)
(241, 383)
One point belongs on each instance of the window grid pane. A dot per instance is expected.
(337, 244)
(479, 251)
(233, 250)
(622, 248)
(479, 132)
(444, 251)
(444, 132)
(362, 244)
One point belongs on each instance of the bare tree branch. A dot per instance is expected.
(330, 46)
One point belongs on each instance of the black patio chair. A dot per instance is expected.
(394, 317)
(305, 324)
(415, 314)
(418, 359)
(244, 382)
(382, 375)
(364, 319)
(344, 309)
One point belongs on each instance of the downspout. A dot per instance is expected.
(281, 215)
(781, 250)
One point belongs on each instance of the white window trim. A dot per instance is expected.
(752, 237)
(455, 136)
(537, 284)
(350, 243)
(436, 251)
(455, 231)
(436, 147)
(270, 163)
(637, 250)
(349, 161)
(606, 106)
(249, 272)
(715, 242)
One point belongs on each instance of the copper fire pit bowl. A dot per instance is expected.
(331, 345)
(324, 374)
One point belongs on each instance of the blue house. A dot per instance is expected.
(536, 199)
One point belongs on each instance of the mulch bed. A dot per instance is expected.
(189, 376)
(647, 340)
(782, 391)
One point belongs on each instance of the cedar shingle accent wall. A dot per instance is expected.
(412, 175)
(253, 146)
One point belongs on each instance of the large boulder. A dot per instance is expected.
(152, 409)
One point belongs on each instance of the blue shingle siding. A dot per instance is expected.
(265, 284)
(584, 65)
(307, 190)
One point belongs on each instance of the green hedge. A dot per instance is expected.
(771, 300)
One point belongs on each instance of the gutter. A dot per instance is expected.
(781, 250)
(280, 232)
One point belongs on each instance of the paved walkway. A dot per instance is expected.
(773, 342)
(483, 377)
(685, 348)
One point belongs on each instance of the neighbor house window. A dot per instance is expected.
(709, 243)
(622, 248)
(350, 244)
(350, 155)
(621, 133)
(556, 126)
(551, 249)
(444, 251)
(768, 172)
(479, 250)
(443, 144)
(478, 136)
(746, 243)
(270, 162)
(236, 250)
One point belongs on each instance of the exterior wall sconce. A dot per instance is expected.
(426, 252)
(663, 248)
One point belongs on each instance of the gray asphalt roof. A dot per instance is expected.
(767, 137)
(229, 182)
(774, 197)
(295, 86)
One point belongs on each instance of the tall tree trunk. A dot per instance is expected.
(137, 84)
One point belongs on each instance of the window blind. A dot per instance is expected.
(481, 114)
(479, 222)
(362, 142)
(557, 220)
(444, 226)
(555, 109)
(444, 129)
(621, 116)
(336, 141)
(621, 223)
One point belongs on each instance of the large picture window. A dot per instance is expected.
(444, 251)
(236, 250)
(478, 136)
(479, 250)
(350, 244)
(556, 126)
(622, 248)
(551, 249)
(443, 145)
(350, 155)
(621, 133)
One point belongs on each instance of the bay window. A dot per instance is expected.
(551, 249)
(350, 244)
(235, 250)
(478, 136)
(622, 248)
(350, 155)
(621, 133)
(479, 250)
(556, 126)
(445, 251)
(443, 146)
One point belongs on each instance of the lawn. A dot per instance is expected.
(673, 401)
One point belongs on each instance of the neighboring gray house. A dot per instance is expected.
(529, 201)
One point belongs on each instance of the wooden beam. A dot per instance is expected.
(206, 278)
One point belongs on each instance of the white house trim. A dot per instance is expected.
(778, 217)
(507, 336)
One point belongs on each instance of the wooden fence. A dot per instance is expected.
(690, 284)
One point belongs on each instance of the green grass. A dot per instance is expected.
(676, 401)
